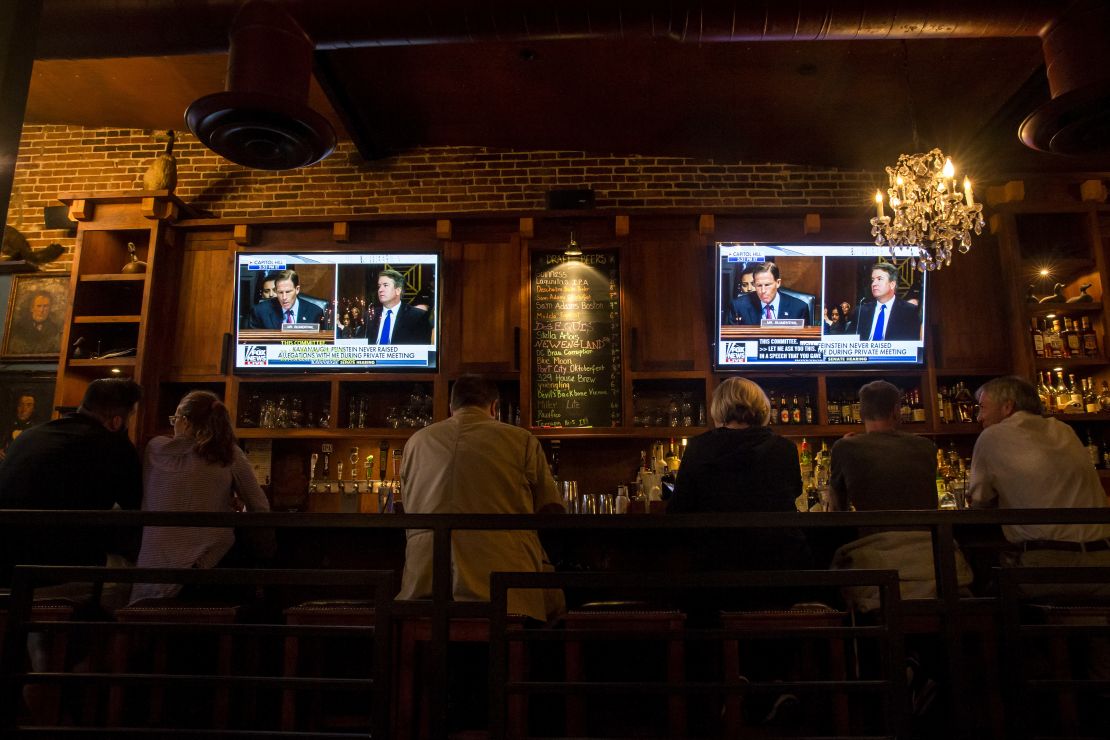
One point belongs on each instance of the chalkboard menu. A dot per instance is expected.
(576, 340)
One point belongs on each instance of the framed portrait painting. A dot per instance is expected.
(37, 309)
(26, 400)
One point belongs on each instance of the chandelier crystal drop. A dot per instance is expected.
(930, 212)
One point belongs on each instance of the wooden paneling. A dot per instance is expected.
(967, 311)
(204, 311)
(487, 306)
(667, 296)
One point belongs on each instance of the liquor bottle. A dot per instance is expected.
(1046, 392)
(846, 410)
(1088, 339)
(1072, 401)
(950, 406)
(1075, 395)
(1053, 346)
(832, 409)
(774, 418)
(1104, 397)
(807, 411)
(1060, 345)
(1036, 337)
(856, 417)
(1093, 450)
(917, 408)
(784, 411)
(1090, 398)
(906, 412)
(1070, 337)
(795, 411)
(964, 403)
(805, 460)
(940, 405)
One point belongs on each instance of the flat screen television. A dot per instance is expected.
(336, 312)
(825, 305)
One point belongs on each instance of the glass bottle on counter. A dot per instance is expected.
(905, 413)
(795, 411)
(917, 408)
(784, 410)
(807, 412)
(1104, 397)
(1053, 344)
(832, 410)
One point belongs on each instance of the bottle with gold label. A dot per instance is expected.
(1036, 337)
(1088, 339)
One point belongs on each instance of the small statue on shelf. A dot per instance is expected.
(1029, 297)
(134, 264)
(1057, 295)
(1083, 297)
(162, 172)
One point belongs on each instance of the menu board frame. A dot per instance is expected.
(576, 340)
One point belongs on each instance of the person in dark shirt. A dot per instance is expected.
(83, 460)
(883, 469)
(742, 466)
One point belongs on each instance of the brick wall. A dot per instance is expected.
(57, 159)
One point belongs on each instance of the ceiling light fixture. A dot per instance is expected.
(929, 212)
(572, 249)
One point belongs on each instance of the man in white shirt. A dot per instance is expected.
(1023, 460)
(471, 463)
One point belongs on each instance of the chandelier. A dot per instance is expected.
(929, 212)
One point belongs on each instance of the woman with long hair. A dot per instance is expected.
(199, 468)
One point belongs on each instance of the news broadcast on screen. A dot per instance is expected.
(836, 305)
(331, 312)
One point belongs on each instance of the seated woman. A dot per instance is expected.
(741, 466)
(200, 468)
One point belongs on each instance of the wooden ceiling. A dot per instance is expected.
(826, 103)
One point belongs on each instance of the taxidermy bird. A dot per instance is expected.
(16, 247)
(1029, 297)
(1082, 297)
(162, 172)
(1057, 295)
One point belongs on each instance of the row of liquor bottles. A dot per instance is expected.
(1058, 397)
(844, 408)
(1063, 338)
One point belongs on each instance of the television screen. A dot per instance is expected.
(336, 311)
(833, 305)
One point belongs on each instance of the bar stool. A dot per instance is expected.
(668, 624)
(1059, 657)
(317, 613)
(170, 611)
(797, 620)
(981, 619)
(414, 630)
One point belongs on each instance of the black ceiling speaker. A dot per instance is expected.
(1077, 119)
(263, 120)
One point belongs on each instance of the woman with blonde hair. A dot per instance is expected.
(199, 468)
(741, 466)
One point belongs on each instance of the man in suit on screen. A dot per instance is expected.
(397, 322)
(884, 317)
(287, 307)
(766, 302)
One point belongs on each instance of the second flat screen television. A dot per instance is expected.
(335, 312)
(831, 305)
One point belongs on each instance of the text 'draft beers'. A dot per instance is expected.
(576, 340)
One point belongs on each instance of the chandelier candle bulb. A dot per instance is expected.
(879, 203)
(968, 197)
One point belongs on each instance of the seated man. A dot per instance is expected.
(884, 317)
(884, 469)
(1023, 460)
(471, 463)
(285, 307)
(767, 302)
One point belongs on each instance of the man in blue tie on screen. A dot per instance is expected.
(286, 307)
(885, 317)
(767, 301)
(397, 322)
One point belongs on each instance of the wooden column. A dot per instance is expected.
(19, 21)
